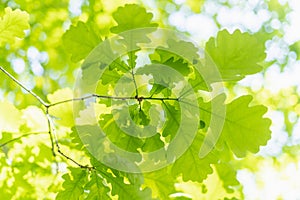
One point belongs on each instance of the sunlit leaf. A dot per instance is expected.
(246, 130)
(73, 184)
(197, 168)
(13, 24)
(161, 182)
(236, 55)
(35, 119)
(10, 117)
(80, 40)
(63, 112)
(132, 16)
(97, 188)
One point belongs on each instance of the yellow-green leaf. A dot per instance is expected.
(10, 117)
(13, 24)
(62, 112)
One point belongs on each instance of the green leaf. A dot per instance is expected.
(178, 50)
(119, 65)
(131, 16)
(63, 112)
(10, 117)
(117, 136)
(76, 140)
(173, 117)
(195, 5)
(140, 115)
(191, 166)
(7, 192)
(161, 74)
(132, 59)
(119, 187)
(236, 55)
(161, 182)
(110, 76)
(5, 137)
(186, 53)
(227, 174)
(97, 188)
(245, 129)
(296, 48)
(157, 89)
(127, 191)
(183, 57)
(80, 40)
(279, 8)
(206, 110)
(153, 143)
(198, 83)
(73, 184)
(44, 154)
(13, 24)
(179, 65)
(35, 119)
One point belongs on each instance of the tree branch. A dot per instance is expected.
(53, 135)
(24, 87)
(51, 126)
(89, 97)
(111, 97)
(20, 137)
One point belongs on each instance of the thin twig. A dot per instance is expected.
(161, 98)
(20, 137)
(191, 89)
(50, 132)
(131, 54)
(24, 87)
(89, 97)
(110, 97)
(134, 82)
(51, 126)
(74, 161)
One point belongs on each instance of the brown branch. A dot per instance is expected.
(53, 135)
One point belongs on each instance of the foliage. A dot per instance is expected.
(39, 137)
(13, 25)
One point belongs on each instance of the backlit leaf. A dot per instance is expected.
(13, 24)
(80, 40)
(236, 55)
(191, 166)
(10, 117)
(73, 184)
(245, 128)
(131, 16)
